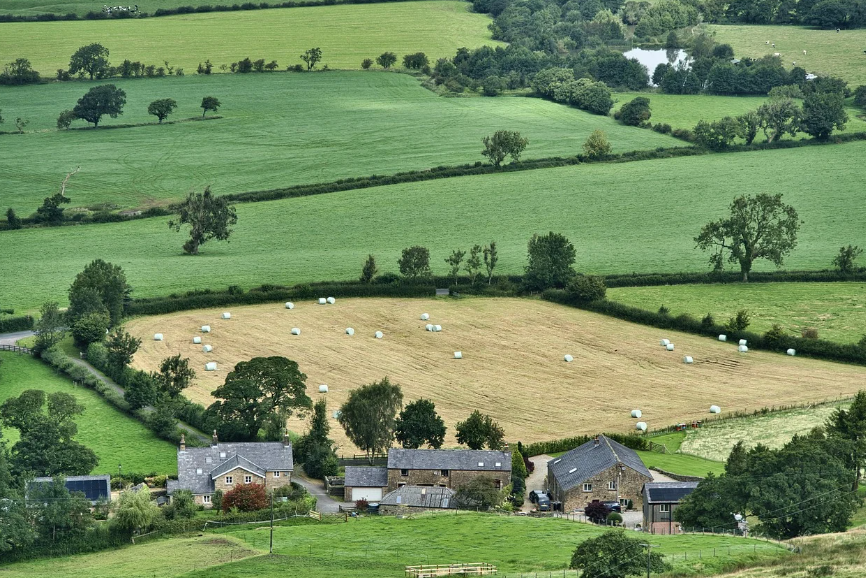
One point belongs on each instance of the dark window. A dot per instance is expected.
(404, 472)
(445, 473)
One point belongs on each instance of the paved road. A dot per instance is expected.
(11, 338)
(324, 502)
(535, 481)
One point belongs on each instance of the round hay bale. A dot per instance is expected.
(688, 359)
(742, 349)
(379, 335)
(723, 337)
(210, 366)
(196, 340)
(669, 346)
(428, 327)
(636, 413)
(350, 331)
(437, 328)
(715, 409)
(296, 331)
(743, 342)
(458, 355)
(791, 352)
(664, 342)
(207, 348)
(331, 300)
(205, 328)
(227, 315)
(425, 316)
(568, 358)
(323, 389)
(290, 305)
(640, 426)
(157, 336)
(323, 301)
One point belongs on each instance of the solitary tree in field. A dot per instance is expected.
(12, 220)
(596, 145)
(844, 261)
(759, 227)
(312, 57)
(386, 59)
(367, 63)
(91, 59)
(415, 262)
(369, 415)
(210, 103)
(369, 270)
(209, 217)
(99, 101)
(419, 424)
(551, 258)
(162, 108)
(502, 144)
(634, 112)
(615, 555)
(823, 112)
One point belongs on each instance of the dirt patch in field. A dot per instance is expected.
(512, 366)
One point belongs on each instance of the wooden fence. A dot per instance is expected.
(461, 569)
(16, 349)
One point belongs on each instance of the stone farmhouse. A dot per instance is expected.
(600, 470)
(222, 466)
(660, 500)
(446, 468)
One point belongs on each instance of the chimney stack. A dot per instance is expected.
(596, 441)
(215, 439)
(182, 443)
(286, 442)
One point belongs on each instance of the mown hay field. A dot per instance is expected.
(827, 52)
(638, 216)
(277, 130)
(512, 366)
(836, 310)
(346, 34)
(117, 438)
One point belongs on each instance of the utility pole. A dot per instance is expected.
(648, 559)
(271, 549)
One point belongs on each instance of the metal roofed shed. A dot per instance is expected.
(94, 488)
(417, 498)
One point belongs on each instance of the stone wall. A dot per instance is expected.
(454, 480)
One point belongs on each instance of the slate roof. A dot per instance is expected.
(668, 492)
(463, 460)
(257, 457)
(590, 460)
(420, 497)
(94, 488)
(366, 477)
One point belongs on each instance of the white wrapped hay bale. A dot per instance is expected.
(437, 328)
(791, 352)
(715, 409)
(688, 359)
(379, 335)
(568, 358)
(323, 301)
(640, 426)
(669, 346)
(742, 349)
(296, 331)
(425, 316)
(196, 340)
(205, 328)
(723, 337)
(636, 413)
(664, 342)
(428, 327)
(458, 355)
(290, 305)
(157, 336)
(227, 315)
(743, 342)
(207, 348)
(210, 366)
(331, 300)
(350, 331)
(323, 389)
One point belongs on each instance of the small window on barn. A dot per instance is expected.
(404, 472)
(208, 460)
(205, 499)
(664, 507)
(198, 471)
(611, 485)
(480, 464)
(444, 473)
(498, 464)
(587, 487)
(222, 455)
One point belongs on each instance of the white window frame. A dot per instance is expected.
(205, 499)
(587, 487)
(276, 474)
(665, 508)
(229, 480)
(611, 485)
(248, 479)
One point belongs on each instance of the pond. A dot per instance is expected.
(652, 58)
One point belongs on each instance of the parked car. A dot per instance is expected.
(614, 506)
(534, 496)
(543, 503)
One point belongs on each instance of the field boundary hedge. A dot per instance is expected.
(726, 277)
(815, 348)
(12, 324)
(566, 444)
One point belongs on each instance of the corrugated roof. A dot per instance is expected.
(465, 460)
(366, 477)
(420, 497)
(94, 488)
(589, 459)
(266, 456)
(668, 492)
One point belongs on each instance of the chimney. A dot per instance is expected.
(596, 441)
(286, 442)
(182, 443)
(215, 439)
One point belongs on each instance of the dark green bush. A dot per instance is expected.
(563, 445)
(587, 288)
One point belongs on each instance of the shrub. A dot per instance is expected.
(246, 498)
(809, 333)
(614, 519)
(90, 328)
(708, 322)
(663, 310)
(366, 63)
(844, 261)
(739, 322)
(662, 128)
(361, 505)
(587, 288)
(775, 335)
(596, 512)
(10, 324)
(862, 342)
(596, 146)
(635, 112)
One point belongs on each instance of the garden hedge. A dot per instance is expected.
(11, 324)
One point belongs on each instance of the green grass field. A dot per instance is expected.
(827, 52)
(115, 437)
(639, 216)
(278, 129)
(684, 111)
(715, 440)
(63, 7)
(346, 34)
(835, 309)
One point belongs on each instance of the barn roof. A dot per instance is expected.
(94, 488)
(463, 460)
(590, 459)
(668, 492)
(366, 477)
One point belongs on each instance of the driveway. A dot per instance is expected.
(324, 502)
(11, 338)
(535, 481)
